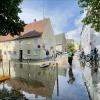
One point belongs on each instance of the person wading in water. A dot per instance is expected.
(70, 58)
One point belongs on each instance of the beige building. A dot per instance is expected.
(60, 42)
(68, 41)
(37, 38)
(76, 46)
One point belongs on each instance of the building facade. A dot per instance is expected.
(37, 38)
(76, 46)
(89, 40)
(60, 42)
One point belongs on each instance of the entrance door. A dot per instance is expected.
(20, 55)
(0, 55)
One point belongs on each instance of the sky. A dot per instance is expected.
(64, 15)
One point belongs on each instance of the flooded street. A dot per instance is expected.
(60, 82)
(50, 50)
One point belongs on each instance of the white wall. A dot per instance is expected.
(85, 40)
(48, 38)
(90, 39)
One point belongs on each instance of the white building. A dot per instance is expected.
(90, 39)
(37, 37)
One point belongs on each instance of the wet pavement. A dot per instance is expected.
(92, 78)
(60, 82)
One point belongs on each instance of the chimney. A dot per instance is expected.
(34, 20)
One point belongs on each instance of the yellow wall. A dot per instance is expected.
(76, 46)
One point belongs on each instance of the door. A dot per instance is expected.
(20, 55)
(0, 55)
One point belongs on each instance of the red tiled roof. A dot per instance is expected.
(34, 29)
(6, 38)
(31, 34)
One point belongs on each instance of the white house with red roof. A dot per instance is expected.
(37, 38)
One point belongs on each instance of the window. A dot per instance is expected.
(28, 51)
(38, 46)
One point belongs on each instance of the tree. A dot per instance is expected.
(10, 22)
(93, 13)
(70, 47)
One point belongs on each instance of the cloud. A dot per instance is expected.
(75, 34)
(78, 21)
(58, 21)
(29, 15)
(58, 16)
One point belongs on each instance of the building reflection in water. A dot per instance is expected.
(33, 79)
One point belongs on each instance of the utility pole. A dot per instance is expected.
(43, 9)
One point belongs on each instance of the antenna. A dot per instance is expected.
(43, 9)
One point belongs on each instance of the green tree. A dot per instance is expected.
(10, 22)
(70, 47)
(93, 13)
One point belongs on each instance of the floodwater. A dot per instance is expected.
(29, 82)
(92, 78)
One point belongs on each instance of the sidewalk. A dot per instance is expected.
(92, 79)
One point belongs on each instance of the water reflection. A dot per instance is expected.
(48, 83)
(32, 79)
(92, 77)
(71, 76)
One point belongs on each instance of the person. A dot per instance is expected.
(82, 53)
(95, 51)
(53, 56)
(96, 56)
(47, 54)
(70, 58)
